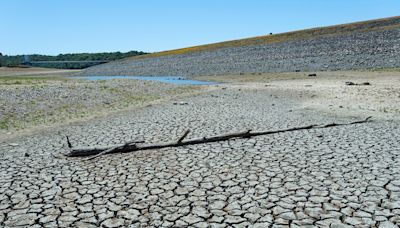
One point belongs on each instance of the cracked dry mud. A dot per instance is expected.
(337, 177)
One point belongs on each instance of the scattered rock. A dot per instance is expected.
(180, 103)
(358, 84)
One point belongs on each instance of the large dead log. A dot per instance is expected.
(135, 146)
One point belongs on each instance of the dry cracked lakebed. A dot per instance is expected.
(337, 177)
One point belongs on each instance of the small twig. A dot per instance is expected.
(68, 142)
(183, 136)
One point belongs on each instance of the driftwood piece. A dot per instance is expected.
(133, 146)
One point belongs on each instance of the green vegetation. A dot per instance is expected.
(16, 60)
(7, 122)
(28, 80)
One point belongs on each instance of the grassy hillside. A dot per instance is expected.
(380, 24)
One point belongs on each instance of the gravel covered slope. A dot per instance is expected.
(377, 48)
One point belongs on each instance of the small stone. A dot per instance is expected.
(180, 103)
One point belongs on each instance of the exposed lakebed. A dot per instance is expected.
(165, 79)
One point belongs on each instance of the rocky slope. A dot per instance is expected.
(363, 45)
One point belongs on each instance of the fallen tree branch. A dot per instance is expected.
(133, 146)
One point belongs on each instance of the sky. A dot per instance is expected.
(77, 26)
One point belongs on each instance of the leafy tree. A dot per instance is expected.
(105, 56)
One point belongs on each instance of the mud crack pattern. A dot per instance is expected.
(338, 177)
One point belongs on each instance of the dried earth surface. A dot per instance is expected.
(337, 177)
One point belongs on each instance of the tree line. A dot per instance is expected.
(17, 60)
